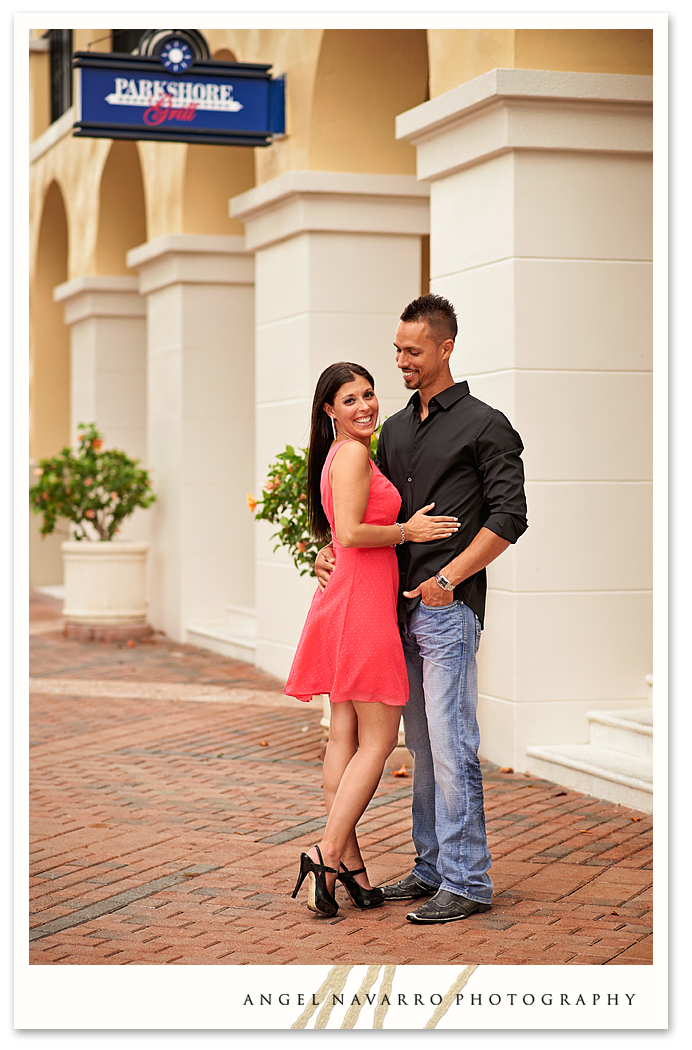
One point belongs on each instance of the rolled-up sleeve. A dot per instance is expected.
(498, 457)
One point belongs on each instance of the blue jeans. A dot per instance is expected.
(440, 646)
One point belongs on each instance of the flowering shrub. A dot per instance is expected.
(89, 487)
(284, 503)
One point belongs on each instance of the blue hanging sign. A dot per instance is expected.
(177, 98)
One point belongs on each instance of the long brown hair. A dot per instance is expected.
(322, 435)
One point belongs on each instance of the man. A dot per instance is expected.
(450, 448)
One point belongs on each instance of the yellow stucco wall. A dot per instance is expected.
(49, 351)
(122, 213)
(291, 52)
(344, 89)
(364, 78)
(39, 97)
(91, 39)
(586, 50)
(459, 55)
(212, 176)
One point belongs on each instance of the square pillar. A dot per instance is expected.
(541, 235)
(338, 257)
(107, 320)
(200, 435)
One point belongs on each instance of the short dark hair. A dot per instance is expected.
(437, 312)
(322, 436)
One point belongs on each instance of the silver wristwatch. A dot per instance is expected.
(444, 582)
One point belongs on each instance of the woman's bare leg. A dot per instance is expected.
(342, 746)
(377, 732)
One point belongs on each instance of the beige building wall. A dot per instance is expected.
(199, 424)
(541, 236)
(460, 55)
(49, 371)
(539, 225)
(336, 256)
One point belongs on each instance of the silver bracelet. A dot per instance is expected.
(403, 535)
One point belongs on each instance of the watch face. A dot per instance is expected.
(176, 55)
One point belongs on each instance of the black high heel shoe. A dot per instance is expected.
(359, 896)
(320, 900)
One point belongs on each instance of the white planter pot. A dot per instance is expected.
(105, 582)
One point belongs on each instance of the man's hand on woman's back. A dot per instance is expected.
(324, 565)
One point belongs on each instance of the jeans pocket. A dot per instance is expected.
(438, 608)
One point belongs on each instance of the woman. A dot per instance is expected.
(350, 646)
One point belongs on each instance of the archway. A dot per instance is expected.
(364, 78)
(49, 374)
(122, 214)
(49, 354)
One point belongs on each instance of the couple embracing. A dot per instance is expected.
(395, 623)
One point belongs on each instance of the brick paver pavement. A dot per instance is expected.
(172, 791)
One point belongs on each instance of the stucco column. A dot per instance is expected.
(107, 319)
(338, 257)
(541, 235)
(200, 434)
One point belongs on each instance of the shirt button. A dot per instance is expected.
(408, 479)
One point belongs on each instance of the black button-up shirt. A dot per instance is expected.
(464, 456)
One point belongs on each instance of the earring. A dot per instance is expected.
(333, 426)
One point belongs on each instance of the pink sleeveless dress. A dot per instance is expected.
(350, 647)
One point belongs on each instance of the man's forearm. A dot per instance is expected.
(483, 549)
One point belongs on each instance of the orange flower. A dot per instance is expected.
(90, 514)
(88, 481)
(96, 443)
(251, 502)
(38, 472)
(302, 546)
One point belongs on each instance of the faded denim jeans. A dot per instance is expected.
(440, 646)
